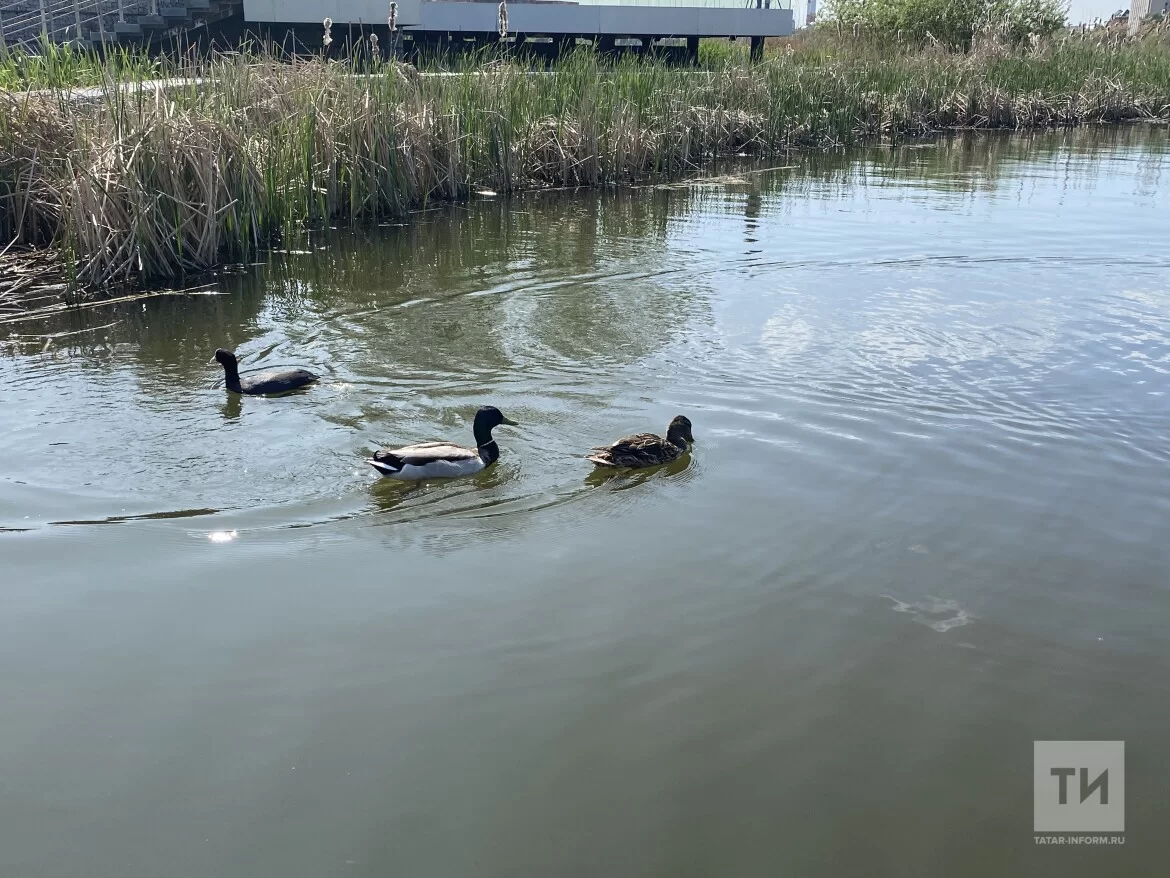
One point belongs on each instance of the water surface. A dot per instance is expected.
(923, 526)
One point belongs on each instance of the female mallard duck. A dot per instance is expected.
(646, 449)
(276, 381)
(434, 460)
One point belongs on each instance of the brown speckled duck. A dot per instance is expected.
(646, 449)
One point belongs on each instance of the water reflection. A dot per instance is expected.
(579, 311)
(150, 516)
(621, 480)
(232, 406)
(443, 496)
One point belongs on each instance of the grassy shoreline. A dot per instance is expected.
(140, 187)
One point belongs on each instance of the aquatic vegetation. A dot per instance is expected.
(53, 65)
(953, 22)
(143, 183)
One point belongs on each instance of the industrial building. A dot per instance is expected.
(548, 25)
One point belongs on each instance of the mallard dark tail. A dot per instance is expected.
(386, 463)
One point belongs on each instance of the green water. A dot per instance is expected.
(923, 526)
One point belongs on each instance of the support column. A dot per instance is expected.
(44, 22)
(757, 52)
(692, 50)
(101, 27)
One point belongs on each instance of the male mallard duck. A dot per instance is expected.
(646, 449)
(276, 381)
(432, 460)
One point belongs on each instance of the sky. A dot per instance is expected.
(1087, 10)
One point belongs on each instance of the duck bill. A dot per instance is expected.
(510, 422)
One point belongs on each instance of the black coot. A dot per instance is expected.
(276, 381)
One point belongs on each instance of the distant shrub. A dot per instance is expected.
(953, 23)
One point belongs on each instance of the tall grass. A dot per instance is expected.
(146, 185)
(64, 66)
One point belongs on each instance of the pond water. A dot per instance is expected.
(924, 525)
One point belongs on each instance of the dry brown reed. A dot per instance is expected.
(149, 185)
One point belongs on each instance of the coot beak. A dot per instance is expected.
(510, 422)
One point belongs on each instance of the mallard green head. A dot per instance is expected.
(486, 419)
(679, 431)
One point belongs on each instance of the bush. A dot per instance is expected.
(952, 22)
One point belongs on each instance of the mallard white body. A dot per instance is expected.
(443, 460)
(431, 460)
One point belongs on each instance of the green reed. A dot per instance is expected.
(147, 184)
(65, 66)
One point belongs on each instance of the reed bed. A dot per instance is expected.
(143, 186)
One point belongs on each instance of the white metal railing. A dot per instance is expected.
(60, 21)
